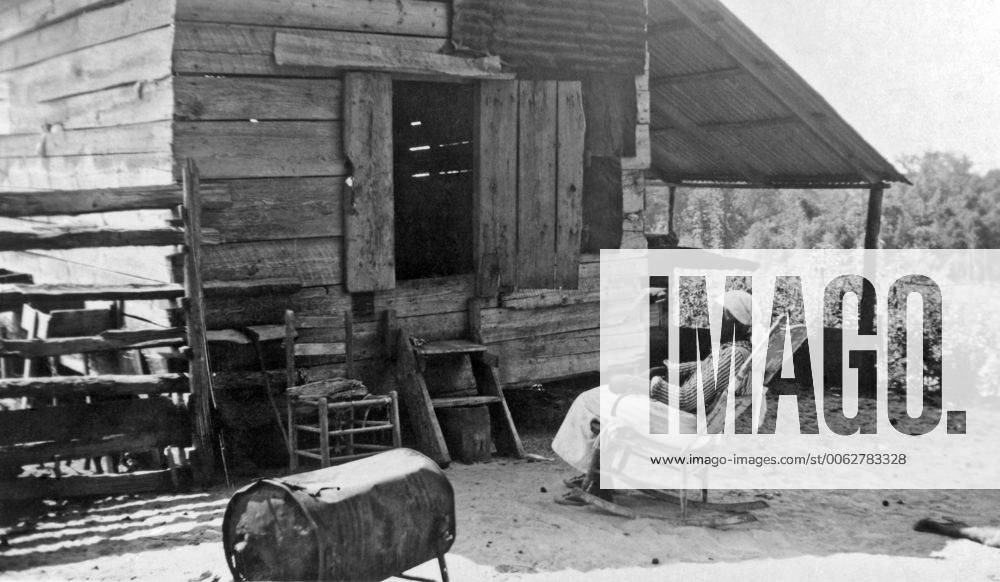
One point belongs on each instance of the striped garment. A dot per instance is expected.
(731, 357)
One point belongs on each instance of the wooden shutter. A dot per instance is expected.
(569, 185)
(529, 185)
(495, 204)
(368, 204)
(550, 184)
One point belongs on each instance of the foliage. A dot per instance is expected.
(947, 206)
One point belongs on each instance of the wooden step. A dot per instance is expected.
(111, 340)
(60, 386)
(46, 237)
(465, 401)
(448, 347)
(11, 295)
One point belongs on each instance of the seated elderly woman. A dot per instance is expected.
(577, 439)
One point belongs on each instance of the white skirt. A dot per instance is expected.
(575, 442)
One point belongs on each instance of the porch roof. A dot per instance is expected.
(726, 109)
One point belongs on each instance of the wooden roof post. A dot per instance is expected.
(867, 382)
(873, 227)
(670, 212)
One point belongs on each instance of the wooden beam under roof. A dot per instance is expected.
(709, 75)
(747, 124)
(753, 68)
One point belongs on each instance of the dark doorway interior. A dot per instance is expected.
(433, 159)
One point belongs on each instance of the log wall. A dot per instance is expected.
(85, 94)
(273, 134)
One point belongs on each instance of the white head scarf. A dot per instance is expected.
(740, 306)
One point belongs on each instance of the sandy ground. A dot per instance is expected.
(510, 529)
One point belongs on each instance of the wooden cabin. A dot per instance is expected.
(411, 155)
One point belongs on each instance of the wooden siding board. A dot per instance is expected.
(507, 324)
(571, 126)
(133, 59)
(244, 98)
(85, 30)
(551, 357)
(24, 17)
(368, 211)
(138, 138)
(278, 209)
(412, 17)
(86, 172)
(314, 262)
(297, 50)
(238, 149)
(141, 102)
(495, 196)
(230, 49)
(536, 183)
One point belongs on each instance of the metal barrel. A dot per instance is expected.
(365, 520)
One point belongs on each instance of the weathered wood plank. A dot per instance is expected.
(20, 294)
(427, 296)
(45, 452)
(137, 138)
(418, 406)
(571, 126)
(60, 386)
(495, 202)
(507, 324)
(86, 172)
(53, 237)
(244, 98)
(238, 149)
(413, 17)
(111, 340)
(537, 183)
(23, 17)
(140, 102)
(231, 49)
(306, 51)
(552, 357)
(314, 262)
(133, 59)
(12, 295)
(278, 209)
(85, 30)
(368, 219)
(98, 486)
(65, 424)
(75, 202)
(202, 394)
(543, 298)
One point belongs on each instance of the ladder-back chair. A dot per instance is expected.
(347, 416)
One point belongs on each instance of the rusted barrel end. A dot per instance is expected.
(365, 520)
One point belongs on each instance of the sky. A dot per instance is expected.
(909, 75)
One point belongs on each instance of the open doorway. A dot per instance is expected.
(433, 178)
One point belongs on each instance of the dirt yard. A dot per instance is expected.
(509, 528)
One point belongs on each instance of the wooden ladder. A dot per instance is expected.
(411, 358)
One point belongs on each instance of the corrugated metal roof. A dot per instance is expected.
(726, 108)
(563, 36)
